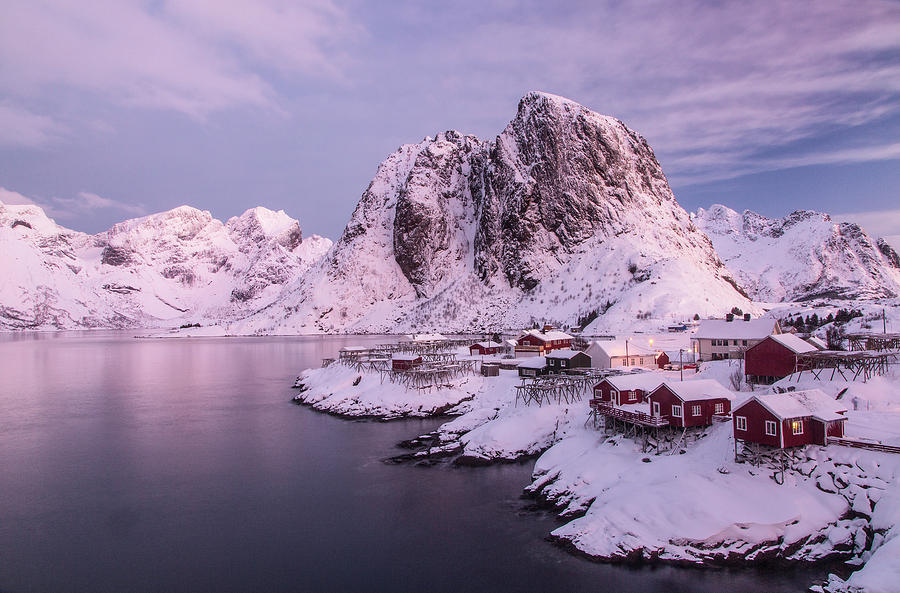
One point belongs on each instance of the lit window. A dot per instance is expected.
(676, 411)
(797, 426)
(695, 410)
(771, 428)
(740, 422)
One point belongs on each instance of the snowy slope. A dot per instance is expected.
(175, 266)
(802, 256)
(565, 212)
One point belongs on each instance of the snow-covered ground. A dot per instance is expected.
(695, 506)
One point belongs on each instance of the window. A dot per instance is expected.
(720, 409)
(695, 410)
(656, 408)
(676, 411)
(740, 422)
(797, 426)
(562, 363)
(771, 428)
(745, 342)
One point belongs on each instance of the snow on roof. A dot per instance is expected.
(354, 348)
(535, 362)
(794, 343)
(644, 381)
(546, 336)
(617, 348)
(817, 342)
(428, 337)
(797, 404)
(755, 329)
(398, 356)
(488, 344)
(566, 353)
(698, 389)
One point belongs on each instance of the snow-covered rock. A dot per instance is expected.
(171, 267)
(802, 256)
(565, 212)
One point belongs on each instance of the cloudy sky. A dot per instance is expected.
(114, 108)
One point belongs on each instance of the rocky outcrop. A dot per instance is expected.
(156, 270)
(802, 256)
(565, 212)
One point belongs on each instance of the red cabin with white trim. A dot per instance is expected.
(690, 403)
(774, 358)
(482, 348)
(626, 389)
(791, 419)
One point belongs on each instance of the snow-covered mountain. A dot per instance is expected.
(801, 256)
(565, 213)
(177, 266)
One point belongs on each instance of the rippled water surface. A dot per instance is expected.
(180, 465)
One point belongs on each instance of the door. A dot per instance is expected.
(656, 409)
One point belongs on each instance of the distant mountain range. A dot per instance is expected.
(566, 216)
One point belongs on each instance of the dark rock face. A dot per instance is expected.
(557, 176)
(889, 253)
(116, 256)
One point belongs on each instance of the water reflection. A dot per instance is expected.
(179, 465)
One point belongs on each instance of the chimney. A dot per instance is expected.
(729, 317)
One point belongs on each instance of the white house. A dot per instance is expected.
(718, 339)
(606, 354)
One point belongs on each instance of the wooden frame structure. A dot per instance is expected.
(551, 387)
(873, 341)
(865, 363)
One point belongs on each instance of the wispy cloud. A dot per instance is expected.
(880, 223)
(698, 79)
(196, 57)
(20, 128)
(82, 204)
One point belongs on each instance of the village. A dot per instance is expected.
(768, 415)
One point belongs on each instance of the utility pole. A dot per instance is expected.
(884, 321)
(681, 362)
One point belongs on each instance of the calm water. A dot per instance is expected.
(180, 465)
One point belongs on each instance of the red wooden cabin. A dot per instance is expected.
(482, 348)
(626, 389)
(662, 360)
(690, 403)
(790, 419)
(774, 358)
(404, 362)
(543, 341)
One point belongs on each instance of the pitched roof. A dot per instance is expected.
(644, 381)
(534, 362)
(697, 389)
(617, 348)
(566, 353)
(428, 337)
(817, 342)
(546, 336)
(489, 344)
(755, 329)
(795, 344)
(798, 404)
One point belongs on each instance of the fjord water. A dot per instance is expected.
(178, 464)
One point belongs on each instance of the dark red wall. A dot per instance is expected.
(603, 392)
(662, 360)
(479, 349)
(768, 358)
(756, 416)
(667, 400)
